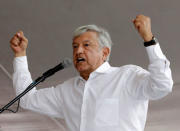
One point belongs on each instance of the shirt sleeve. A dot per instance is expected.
(43, 101)
(157, 81)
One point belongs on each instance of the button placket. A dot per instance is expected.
(84, 102)
(83, 108)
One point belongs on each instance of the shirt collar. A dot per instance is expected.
(101, 69)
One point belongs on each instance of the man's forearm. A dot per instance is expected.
(160, 73)
(21, 77)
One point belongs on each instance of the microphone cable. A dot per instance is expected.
(10, 110)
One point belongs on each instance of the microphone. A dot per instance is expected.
(66, 63)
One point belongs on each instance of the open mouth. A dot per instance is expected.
(80, 60)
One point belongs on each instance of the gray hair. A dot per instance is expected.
(104, 38)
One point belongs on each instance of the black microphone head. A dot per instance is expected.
(67, 62)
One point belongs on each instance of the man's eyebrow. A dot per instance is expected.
(74, 43)
(87, 41)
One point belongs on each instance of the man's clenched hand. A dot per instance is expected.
(19, 44)
(143, 25)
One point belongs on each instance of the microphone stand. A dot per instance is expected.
(31, 86)
(36, 82)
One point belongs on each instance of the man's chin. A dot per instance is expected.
(81, 69)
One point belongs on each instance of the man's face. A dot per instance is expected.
(87, 53)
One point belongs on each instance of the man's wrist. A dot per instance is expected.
(20, 54)
(148, 37)
(153, 41)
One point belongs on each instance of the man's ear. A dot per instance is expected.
(106, 52)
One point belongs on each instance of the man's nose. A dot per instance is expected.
(80, 49)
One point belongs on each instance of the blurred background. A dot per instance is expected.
(49, 26)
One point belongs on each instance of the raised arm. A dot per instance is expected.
(46, 101)
(157, 81)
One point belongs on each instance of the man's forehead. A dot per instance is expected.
(86, 36)
(83, 41)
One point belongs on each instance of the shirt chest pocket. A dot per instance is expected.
(107, 112)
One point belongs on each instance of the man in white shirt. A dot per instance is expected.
(101, 98)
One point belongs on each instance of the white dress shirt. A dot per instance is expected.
(112, 99)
